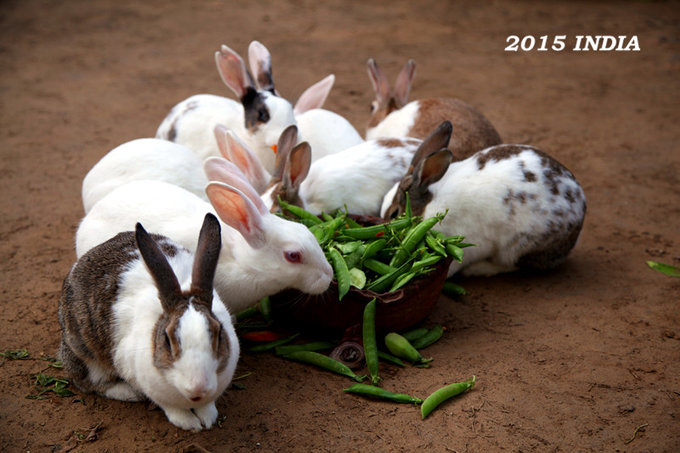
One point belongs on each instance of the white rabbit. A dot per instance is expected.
(393, 116)
(262, 253)
(521, 207)
(357, 178)
(324, 130)
(140, 319)
(258, 119)
(144, 158)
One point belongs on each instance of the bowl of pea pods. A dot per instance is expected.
(402, 263)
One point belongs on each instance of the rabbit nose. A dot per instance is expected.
(196, 399)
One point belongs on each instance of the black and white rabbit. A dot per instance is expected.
(140, 319)
(519, 206)
(393, 116)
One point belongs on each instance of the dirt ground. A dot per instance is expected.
(585, 358)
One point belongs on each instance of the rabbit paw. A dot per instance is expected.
(183, 418)
(207, 414)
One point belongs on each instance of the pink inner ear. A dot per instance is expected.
(236, 210)
(314, 96)
(222, 170)
(238, 153)
(233, 71)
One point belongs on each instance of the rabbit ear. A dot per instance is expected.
(233, 71)
(438, 139)
(381, 85)
(222, 170)
(297, 168)
(169, 291)
(287, 140)
(236, 210)
(235, 151)
(314, 96)
(261, 66)
(205, 261)
(432, 168)
(402, 86)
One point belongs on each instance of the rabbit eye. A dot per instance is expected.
(293, 257)
(263, 116)
(374, 106)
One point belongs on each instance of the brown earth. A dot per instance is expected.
(585, 358)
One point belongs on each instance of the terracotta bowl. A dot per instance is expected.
(396, 311)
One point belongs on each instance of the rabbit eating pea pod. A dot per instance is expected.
(519, 206)
(140, 319)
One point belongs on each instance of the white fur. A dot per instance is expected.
(357, 177)
(397, 123)
(144, 158)
(194, 119)
(326, 132)
(475, 198)
(244, 273)
(136, 312)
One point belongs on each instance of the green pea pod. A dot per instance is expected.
(325, 362)
(273, 344)
(390, 358)
(384, 282)
(377, 392)
(341, 272)
(452, 289)
(378, 266)
(434, 244)
(415, 333)
(455, 252)
(402, 348)
(375, 231)
(373, 248)
(265, 308)
(354, 258)
(299, 212)
(429, 338)
(331, 228)
(424, 262)
(247, 313)
(443, 394)
(311, 346)
(412, 239)
(327, 217)
(369, 340)
(402, 280)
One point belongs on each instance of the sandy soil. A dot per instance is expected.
(585, 358)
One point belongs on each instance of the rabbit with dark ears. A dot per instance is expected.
(393, 116)
(262, 254)
(144, 158)
(520, 207)
(150, 327)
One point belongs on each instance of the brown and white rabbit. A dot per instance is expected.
(393, 116)
(140, 319)
(519, 206)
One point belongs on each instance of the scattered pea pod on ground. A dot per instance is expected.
(443, 394)
(370, 342)
(402, 348)
(377, 392)
(390, 358)
(325, 362)
(311, 346)
(415, 333)
(429, 338)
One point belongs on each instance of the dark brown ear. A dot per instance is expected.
(431, 169)
(207, 254)
(297, 168)
(438, 139)
(169, 291)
